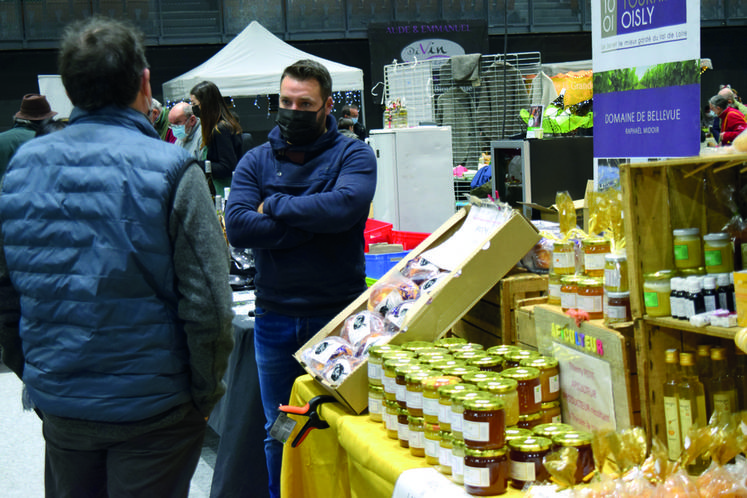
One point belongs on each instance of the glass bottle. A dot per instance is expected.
(705, 372)
(710, 296)
(692, 406)
(724, 297)
(209, 178)
(671, 407)
(723, 389)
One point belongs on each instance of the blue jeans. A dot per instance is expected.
(276, 338)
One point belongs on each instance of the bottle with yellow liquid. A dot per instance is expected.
(705, 372)
(723, 389)
(671, 404)
(692, 406)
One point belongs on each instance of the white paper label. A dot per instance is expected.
(475, 476)
(414, 399)
(374, 371)
(432, 447)
(400, 392)
(554, 382)
(457, 422)
(590, 304)
(390, 421)
(612, 278)
(568, 300)
(477, 431)
(374, 405)
(417, 439)
(557, 419)
(403, 431)
(430, 406)
(538, 394)
(564, 259)
(553, 290)
(457, 465)
(522, 471)
(444, 457)
(594, 261)
(444, 414)
(388, 383)
(618, 312)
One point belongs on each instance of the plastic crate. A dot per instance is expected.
(376, 232)
(409, 240)
(378, 264)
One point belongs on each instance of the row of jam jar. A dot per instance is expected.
(585, 257)
(714, 251)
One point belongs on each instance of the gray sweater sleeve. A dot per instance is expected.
(201, 263)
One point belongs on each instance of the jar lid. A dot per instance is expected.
(562, 243)
(447, 342)
(457, 443)
(376, 389)
(687, 359)
(530, 417)
(685, 232)
(571, 279)
(430, 352)
(486, 361)
(543, 362)
(591, 282)
(572, 438)
(433, 383)
(415, 420)
(502, 349)
(517, 432)
(458, 397)
(549, 405)
(447, 364)
(616, 257)
(689, 272)
(446, 436)
(467, 346)
(499, 386)
(402, 370)
(474, 452)
(530, 443)
(435, 358)
(517, 356)
(618, 295)
(466, 354)
(549, 430)
(397, 353)
(402, 411)
(391, 404)
(595, 241)
(475, 377)
(484, 403)
(420, 375)
(378, 350)
(659, 275)
(445, 391)
(717, 237)
(393, 363)
(460, 370)
(431, 427)
(718, 354)
(521, 373)
(415, 345)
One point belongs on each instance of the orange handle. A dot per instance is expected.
(298, 410)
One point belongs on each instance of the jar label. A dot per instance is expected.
(723, 401)
(444, 456)
(444, 414)
(538, 393)
(618, 312)
(416, 439)
(594, 261)
(567, 300)
(430, 406)
(388, 383)
(563, 260)
(456, 422)
(457, 465)
(476, 476)
(431, 447)
(553, 290)
(681, 252)
(554, 382)
(400, 392)
(374, 371)
(590, 304)
(414, 399)
(522, 471)
(713, 258)
(478, 431)
(612, 278)
(390, 421)
(403, 431)
(672, 417)
(374, 405)
(556, 419)
(651, 299)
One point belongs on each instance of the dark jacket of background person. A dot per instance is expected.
(314, 214)
(120, 274)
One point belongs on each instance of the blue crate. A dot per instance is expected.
(378, 264)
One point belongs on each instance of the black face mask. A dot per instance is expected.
(196, 110)
(300, 127)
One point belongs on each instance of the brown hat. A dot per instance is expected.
(35, 107)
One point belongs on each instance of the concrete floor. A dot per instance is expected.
(22, 448)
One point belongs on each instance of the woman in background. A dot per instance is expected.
(221, 132)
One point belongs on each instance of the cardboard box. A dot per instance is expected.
(432, 317)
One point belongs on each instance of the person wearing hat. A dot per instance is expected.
(34, 110)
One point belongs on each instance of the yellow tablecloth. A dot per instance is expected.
(353, 458)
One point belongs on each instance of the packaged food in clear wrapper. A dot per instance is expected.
(371, 340)
(338, 369)
(388, 293)
(358, 327)
(322, 354)
(432, 282)
(420, 269)
(395, 316)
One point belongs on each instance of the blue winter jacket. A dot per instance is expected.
(83, 213)
(308, 243)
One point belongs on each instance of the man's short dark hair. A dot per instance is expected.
(344, 123)
(101, 62)
(307, 69)
(346, 110)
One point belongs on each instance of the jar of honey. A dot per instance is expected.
(488, 363)
(590, 297)
(526, 456)
(618, 308)
(476, 377)
(433, 350)
(582, 442)
(400, 384)
(444, 452)
(569, 292)
(529, 388)
(444, 365)
(391, 409)
(403, 427)
(595, 250)
(375, 403)
(457, 410)
(656, 290)
(416, 433)
(517, 432)
(486, 471)
(506, 389)
(564, 257)
(414, 390)
(484, 422)
(449, 342)
(388, 378)
(431, 361)
(469, 354)
(553, 289)
(688, 248)
(513, 358)
(432, 434)
(457, 463)
(549, 376)
(415, 345)
(502, 349)
(551, 413)
(444, 402)
(430, 395)
(616, 272)
(529, 420)
(459, 371)
(718, 251)
(375, 354)
(550, 430)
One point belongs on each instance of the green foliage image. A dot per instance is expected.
(658, 76)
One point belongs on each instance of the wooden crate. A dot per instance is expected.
(657, 198)
(492, 319)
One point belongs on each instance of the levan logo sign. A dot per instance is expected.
(431, 48)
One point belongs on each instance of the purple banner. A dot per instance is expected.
(639, 15)
(658, 122)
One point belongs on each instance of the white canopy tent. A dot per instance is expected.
(251, 64)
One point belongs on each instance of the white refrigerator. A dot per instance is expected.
(415, 181)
